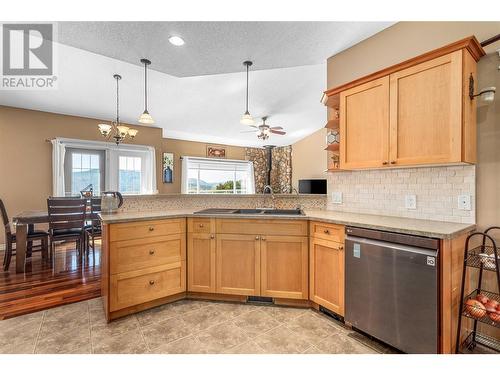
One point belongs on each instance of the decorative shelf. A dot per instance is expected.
(331, 101)
(333, 147)
(478, 343)
(485, 319)
(474, 259)
(332, 124)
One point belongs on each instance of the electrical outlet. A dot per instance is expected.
(411, 202)
(464, 202)
(337, 197)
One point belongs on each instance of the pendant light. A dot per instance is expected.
(146, 118)
(116, 130)
(247, 118)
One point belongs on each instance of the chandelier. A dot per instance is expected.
(116, 130)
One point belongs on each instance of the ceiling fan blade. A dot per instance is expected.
(276, 128)
(277, 132)
(253, 126)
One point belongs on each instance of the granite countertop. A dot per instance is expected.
(426, 228)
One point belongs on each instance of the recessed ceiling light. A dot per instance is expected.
(176, 40)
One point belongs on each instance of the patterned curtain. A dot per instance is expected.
(281, 173)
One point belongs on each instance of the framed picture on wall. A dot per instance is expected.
(216, 152)
(168, 167)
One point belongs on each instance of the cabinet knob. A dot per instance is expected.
(151, 229)
(385, 163)
(393, 161)
(263, 238)
(151, 282)
(326, 231)
(201, 225)
(151, 252)
(341, 247)
(212, 236)
(257, 238)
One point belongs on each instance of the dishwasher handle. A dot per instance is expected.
(395, 246)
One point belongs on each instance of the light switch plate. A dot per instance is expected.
(337, 197)
(411, 202)
(464, 202)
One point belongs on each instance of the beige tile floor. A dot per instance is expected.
(182, 327)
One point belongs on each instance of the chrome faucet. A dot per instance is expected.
(269, 190)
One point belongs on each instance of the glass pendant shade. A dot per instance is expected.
(247, 119)
(123, 130)
(132, 132)
(146, 118)
(105, 129)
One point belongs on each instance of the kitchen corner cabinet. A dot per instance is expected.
(326, 262)
(414, 113)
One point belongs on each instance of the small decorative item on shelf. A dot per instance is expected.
(482, 306)
(168, 167)
(335, 161)
(332, 137)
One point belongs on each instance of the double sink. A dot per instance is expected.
(250, 211)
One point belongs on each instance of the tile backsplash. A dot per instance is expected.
(383, 192)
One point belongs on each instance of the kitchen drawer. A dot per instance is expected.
(326, 231)
(262, 227)
(142, 253)
(146, 229)
(136, 287)
(201, 225)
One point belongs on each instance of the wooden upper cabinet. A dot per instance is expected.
(417, 112)
(284, 267)
(426, 112)
(238, 264)
(364, 125)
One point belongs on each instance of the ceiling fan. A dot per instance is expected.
(263, 130)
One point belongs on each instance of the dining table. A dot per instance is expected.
(22, 221)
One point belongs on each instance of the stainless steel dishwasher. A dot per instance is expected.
(392, 288)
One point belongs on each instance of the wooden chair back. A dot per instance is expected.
(3, 211)
(66, 213)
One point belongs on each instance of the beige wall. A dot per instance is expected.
(187, 148)
(309, 158)
(409, 39)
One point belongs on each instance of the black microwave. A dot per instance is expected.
(316, 186)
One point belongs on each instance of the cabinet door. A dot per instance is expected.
(426, 112)
(327, 274)
(201, 262)
(364, 125)
(238, 264)
(284, 267)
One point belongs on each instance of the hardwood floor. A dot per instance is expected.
(44, 286)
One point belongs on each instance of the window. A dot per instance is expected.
(82, 169)
(76, 164)
(129, 178)
(212, 176)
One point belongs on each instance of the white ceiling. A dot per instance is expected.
(204, 108)
(217, 47)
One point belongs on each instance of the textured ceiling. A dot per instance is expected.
(217, 47)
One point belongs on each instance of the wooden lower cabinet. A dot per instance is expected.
(238, 264)
(284, 267)
(201, 262)
(326, 271)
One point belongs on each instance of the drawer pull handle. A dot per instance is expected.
(151, 282)
(151, 252)
(327, 231)
(385, 163)
(256, 238)
(151, 229)
(393, 161)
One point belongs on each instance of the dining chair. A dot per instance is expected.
(93, 230)
(67, 222)
(32, 235)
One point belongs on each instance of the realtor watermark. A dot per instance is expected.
(28, 56)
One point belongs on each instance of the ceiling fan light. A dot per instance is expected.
(247, 119)
(146, 118)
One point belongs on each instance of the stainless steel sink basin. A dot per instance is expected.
(249, 211)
